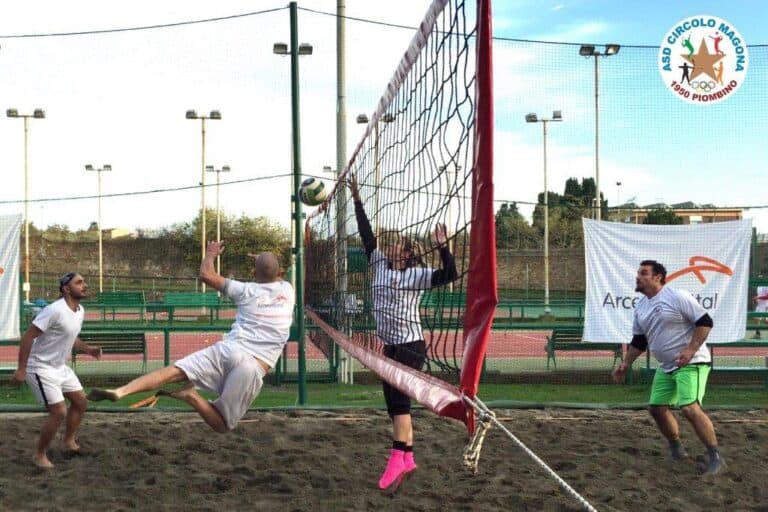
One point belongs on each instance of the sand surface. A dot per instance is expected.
(322, 461)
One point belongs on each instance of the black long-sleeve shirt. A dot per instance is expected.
(441, 276)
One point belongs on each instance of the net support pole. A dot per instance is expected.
(297, 213)
(341, 160)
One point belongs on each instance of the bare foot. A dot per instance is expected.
(71, 446)
(42, 461)
(97, 394)
(184, 393)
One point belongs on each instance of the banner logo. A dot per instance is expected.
(703, 59)
(694, 268)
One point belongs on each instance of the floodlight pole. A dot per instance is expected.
(533, 118)
(37, 114)
(214, 115)
(106, 167)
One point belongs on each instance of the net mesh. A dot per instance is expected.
(376, 268)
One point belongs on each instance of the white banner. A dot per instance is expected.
(10, 231)
(709, 260)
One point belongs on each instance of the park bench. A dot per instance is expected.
(717, 366)
(176, 302)
(571, 339)
(116, 342)
(121, 301)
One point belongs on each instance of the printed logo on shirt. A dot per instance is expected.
(281, 299)
(697, 265)
(2, 271)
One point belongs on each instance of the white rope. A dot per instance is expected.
(472, 452)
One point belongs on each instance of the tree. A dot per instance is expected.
(665, 216)
(512, 231)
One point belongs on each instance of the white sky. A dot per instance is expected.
(120, 98)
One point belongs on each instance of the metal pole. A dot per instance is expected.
(101, 258)
(341, 161)
(598, 214)
(202, 195)
(27, 285)
(218, 220)
(547, 309)
(376, 178)
(299, 232)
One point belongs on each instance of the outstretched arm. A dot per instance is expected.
(363, 224)
(208, 273)
(447, 271)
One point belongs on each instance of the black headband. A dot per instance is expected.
(66, 278)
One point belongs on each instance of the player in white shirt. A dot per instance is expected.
(674, 327)
(398, 283)
(43, 352)
(233, 368)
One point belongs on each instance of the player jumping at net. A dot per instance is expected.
(233, 368)
(43, 352)
(674, 327)
(399, 280)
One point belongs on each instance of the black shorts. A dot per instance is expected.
(412, 354)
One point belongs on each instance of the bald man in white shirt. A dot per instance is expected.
(233, 368)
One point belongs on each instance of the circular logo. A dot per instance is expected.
(703, 59)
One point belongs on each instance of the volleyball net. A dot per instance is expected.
(425, 160)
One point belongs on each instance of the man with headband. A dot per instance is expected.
(43, 352)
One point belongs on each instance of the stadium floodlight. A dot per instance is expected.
(214, 115)
(225, 168)
(280, 49)
(362, 119)
(38, 113)
(557, 116)
(588, 50)
(305, 49)
(103, 168)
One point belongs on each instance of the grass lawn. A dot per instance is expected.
(507, 395)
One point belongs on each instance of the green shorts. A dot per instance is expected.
(682, 387)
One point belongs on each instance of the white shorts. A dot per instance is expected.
(230, 372)
(49, 384)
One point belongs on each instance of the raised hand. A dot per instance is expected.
(441, 234)
(214, 248)
(352, 183)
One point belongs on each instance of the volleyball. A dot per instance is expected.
(312, 192)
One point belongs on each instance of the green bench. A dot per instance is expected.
(116, 342)
(174, 301)
(648, 371)
(120, 301)
(571, 339)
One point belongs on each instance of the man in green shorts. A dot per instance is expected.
(673, 326)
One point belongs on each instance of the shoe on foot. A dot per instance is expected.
(408, 462)
(716, 465)
(394, 472)
(678, 452)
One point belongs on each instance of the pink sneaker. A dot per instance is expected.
(394, 472)
(408, 462)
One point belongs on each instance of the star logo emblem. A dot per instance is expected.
(703, 62)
